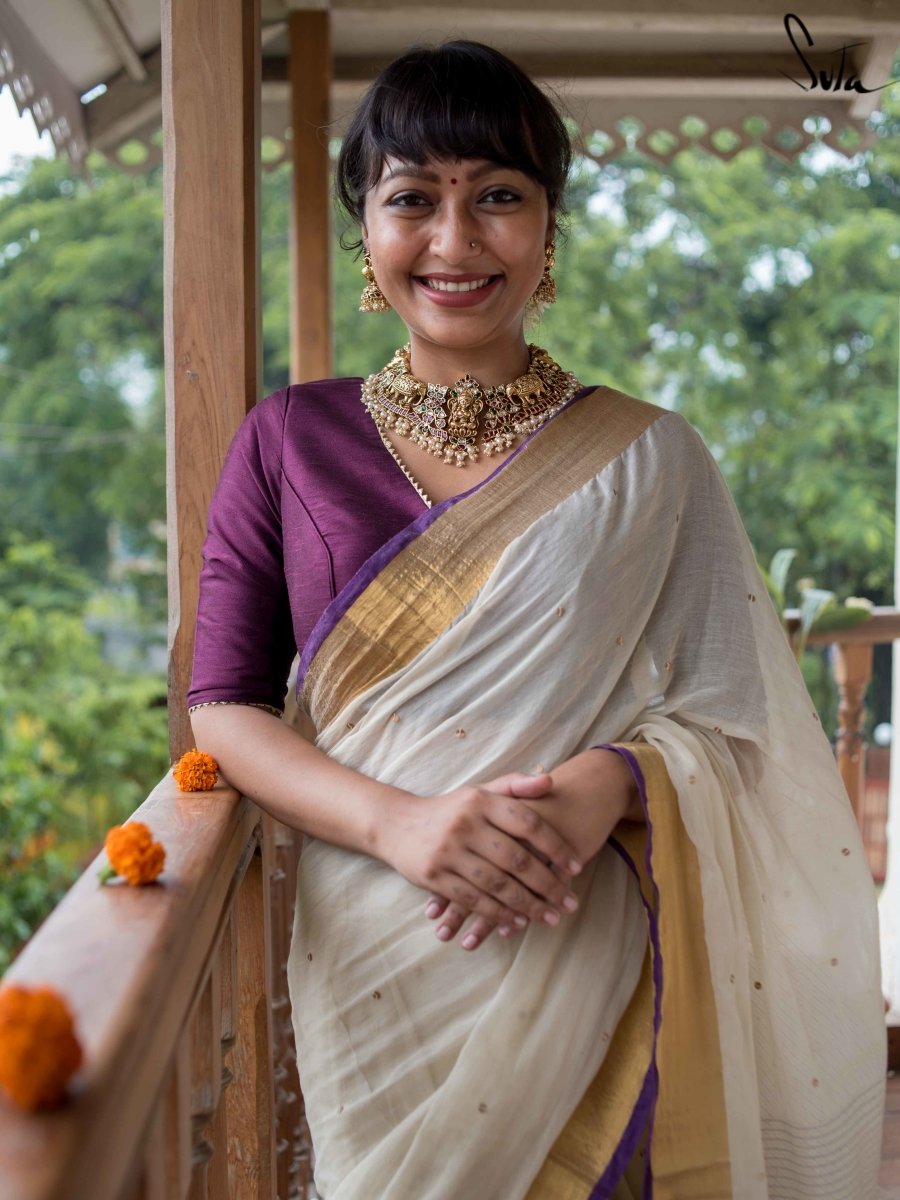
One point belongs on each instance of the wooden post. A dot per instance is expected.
(852, 665)
(293, 1148)
(310, 71)
(211, 115)
(250, 1098)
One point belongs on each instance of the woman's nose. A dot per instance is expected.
(454, 231)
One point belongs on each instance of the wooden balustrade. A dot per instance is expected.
(851, 666)
(189, 1088)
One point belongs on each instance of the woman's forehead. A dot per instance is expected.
(435, 169)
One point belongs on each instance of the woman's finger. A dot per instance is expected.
(513, 875)
(479, 929)
(524, 825)
(435, 906)
(470, 889)
(521, 785)
(451, 922)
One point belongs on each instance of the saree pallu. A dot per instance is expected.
(709, 1024)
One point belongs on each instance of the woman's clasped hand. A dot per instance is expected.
(502, 853)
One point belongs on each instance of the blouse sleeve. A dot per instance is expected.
(244, 641)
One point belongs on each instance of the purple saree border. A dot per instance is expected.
(645, 1109)
(376, 562)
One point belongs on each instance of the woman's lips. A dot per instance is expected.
(458, 299)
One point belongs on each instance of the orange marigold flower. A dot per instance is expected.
(133, 853)
(39, 1051)
(196, 771)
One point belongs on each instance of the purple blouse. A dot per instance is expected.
(308, 493)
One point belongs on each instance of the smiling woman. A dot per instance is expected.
(553, 713)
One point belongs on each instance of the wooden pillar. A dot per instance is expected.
(852, 665)
(250, 1097)
(211, 117)
(310, 84)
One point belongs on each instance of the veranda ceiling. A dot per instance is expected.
(719, 72)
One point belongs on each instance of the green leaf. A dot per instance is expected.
(779, 569)
(813, 603)
(836, 617)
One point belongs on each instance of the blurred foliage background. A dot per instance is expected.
(759, 298)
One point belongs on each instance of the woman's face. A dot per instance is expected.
(457, 249)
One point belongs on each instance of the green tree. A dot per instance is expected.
(80, 358)
(80, 741)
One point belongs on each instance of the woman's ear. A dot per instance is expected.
(551, 227)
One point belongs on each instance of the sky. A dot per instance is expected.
(18, 134)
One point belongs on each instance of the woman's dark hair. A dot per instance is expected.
(458, 100)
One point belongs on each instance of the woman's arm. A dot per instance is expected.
(481, 849)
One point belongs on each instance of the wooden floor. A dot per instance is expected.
(890, 1155)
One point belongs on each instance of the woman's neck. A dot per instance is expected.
(492, 366)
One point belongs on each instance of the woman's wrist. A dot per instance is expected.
(591, 793)
(618, 764)
(607, 778)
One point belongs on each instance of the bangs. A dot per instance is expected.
(431, 120)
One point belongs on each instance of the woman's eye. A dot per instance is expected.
(501, 196)
(407, 200)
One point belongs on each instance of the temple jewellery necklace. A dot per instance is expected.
(460, 421)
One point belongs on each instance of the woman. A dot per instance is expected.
(492, 573)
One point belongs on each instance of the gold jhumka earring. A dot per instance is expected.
(545, 292)
(372, 298)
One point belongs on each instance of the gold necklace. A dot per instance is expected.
(459, 421)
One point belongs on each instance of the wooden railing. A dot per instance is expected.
(189, 1086)
(851, 665)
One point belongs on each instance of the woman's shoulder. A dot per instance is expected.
(326, 393)
(288, 410)
(661, 436)
(299, 398)
(654, 420)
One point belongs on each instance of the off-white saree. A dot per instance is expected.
(709, 1024)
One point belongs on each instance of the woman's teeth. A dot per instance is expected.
(442, 285)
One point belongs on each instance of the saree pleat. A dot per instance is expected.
(709, 1023)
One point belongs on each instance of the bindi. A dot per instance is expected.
(453, 181)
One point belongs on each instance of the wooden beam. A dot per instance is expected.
(632, 74)
(309, 72)
(110, 22)
(211, 104)
(824, 18)
(874, 70)
(126, 107)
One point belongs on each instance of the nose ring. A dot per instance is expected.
(472, 245)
